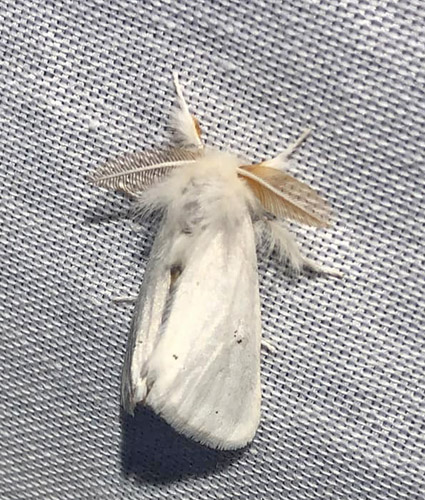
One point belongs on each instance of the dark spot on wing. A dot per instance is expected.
(175, 272)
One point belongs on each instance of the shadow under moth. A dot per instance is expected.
(193, 353)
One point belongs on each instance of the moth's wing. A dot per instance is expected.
(136, 172)
(204, 374)
(147, 317)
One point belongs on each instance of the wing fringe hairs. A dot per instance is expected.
(193, 353)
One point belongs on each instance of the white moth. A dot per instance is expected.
(193, 353)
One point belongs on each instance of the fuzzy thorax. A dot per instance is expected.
(206, 192)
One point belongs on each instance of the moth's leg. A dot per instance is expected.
(268, 345)
(281, 159)
(184, 123)
(272, 235)
(284, 155)
(320, 268)
(277, 237)
(298, 260)
(179, 90)
(124, 298)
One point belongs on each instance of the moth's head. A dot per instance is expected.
(221, 163)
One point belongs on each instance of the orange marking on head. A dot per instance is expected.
(197, 126)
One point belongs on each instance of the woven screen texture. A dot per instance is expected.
(343, 386)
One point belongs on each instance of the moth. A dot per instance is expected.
(193, 353)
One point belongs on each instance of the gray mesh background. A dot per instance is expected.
(344, 400)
